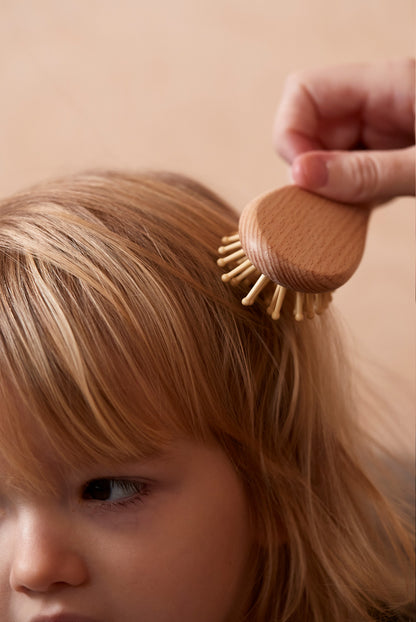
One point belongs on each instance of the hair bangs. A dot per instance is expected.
(96, 341)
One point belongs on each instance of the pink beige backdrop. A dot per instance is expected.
(192, 85)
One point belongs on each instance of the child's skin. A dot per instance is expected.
(162, 540)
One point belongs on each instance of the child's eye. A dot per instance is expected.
(114, 490)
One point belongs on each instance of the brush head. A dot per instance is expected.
(299, 241)
(303, 241)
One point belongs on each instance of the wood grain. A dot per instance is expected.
(303, 241)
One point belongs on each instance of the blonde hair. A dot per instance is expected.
(117, 332)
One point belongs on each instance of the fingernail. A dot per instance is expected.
(310, 172)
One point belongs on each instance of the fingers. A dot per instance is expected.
(325, 113)
(296, 124)
(357, 176)
(336, 107)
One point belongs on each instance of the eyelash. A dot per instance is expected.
(139, 489)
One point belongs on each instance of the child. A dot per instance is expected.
(167, 455)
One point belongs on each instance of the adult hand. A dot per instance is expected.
(349, 132)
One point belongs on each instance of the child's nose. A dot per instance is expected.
(45, 555)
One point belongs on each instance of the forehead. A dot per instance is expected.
(36, 450)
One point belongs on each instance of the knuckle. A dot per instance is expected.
(366, 176)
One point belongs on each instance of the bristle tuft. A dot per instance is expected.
(229, 239)
(255, 290)
(277, 301)
(241, 268)
(298, 311)
(309, 306)
(222, 261)
(228, 248)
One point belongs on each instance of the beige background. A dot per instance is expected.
(192, 85)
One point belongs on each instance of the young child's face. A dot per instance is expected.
(166, 539)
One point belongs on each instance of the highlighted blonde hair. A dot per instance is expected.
(117, 334)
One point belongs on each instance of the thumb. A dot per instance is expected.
(357, 176)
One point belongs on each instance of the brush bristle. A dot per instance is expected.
(306, 304)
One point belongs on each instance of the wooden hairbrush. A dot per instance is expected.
(299, 241)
